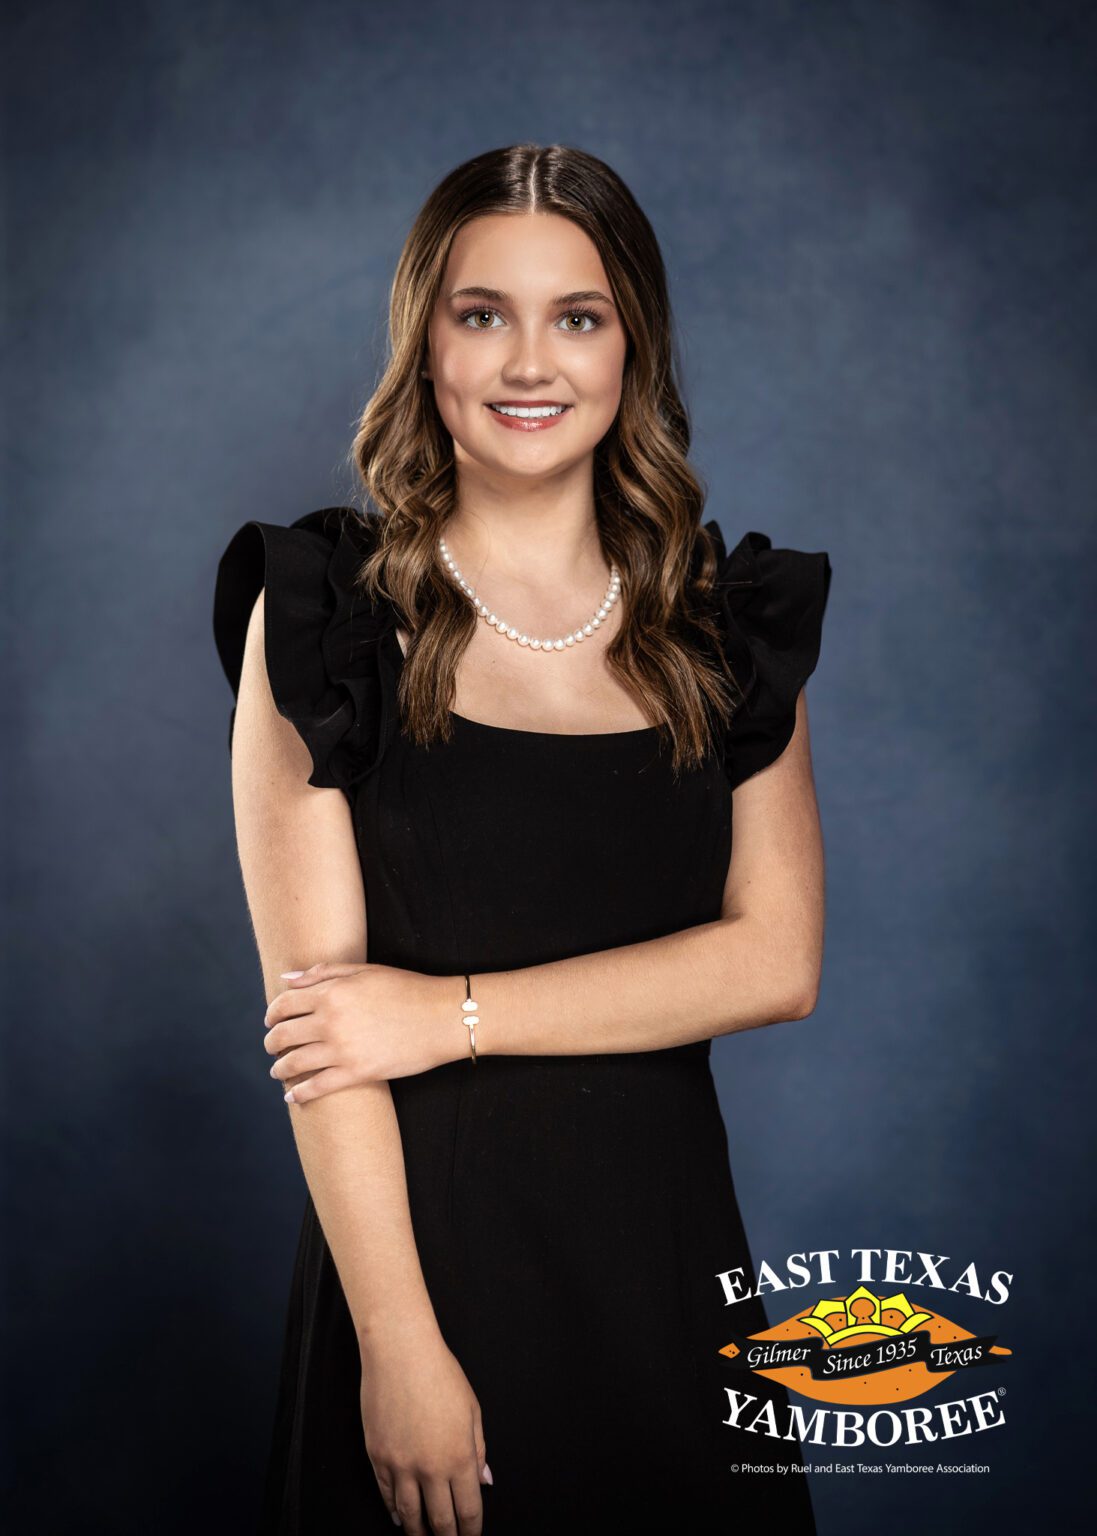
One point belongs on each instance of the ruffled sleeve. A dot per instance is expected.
(330, 650)
(771, 605)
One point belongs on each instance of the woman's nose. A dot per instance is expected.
(530, 358)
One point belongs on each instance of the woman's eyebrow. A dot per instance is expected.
(581, 296)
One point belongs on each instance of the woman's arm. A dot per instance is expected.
(758, 963)
(421, 1420)
(306, 898)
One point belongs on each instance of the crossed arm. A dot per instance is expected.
(756, 964)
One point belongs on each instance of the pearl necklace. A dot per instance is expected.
(613, 592)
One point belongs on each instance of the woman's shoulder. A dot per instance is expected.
(754, 563)
(770, 603)
(335, 539)
(326, 638)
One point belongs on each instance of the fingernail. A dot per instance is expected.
(289, 975)
(288, 1097)
(395, 1517)
(487, 1474)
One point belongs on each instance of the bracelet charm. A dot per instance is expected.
(471, 1018)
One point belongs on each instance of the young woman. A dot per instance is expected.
(512, 715)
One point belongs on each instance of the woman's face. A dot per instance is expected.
(525, 317)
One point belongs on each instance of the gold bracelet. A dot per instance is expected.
(468, 1008)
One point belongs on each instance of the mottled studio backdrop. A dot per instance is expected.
(879, 221)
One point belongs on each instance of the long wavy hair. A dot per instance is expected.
(648, 499)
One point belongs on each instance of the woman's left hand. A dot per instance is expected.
(344, 1024)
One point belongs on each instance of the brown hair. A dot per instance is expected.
(648, 499)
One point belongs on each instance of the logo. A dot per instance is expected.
(868, 1344)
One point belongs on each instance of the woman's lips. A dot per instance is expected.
(526, 423)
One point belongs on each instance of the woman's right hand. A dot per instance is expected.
(424, 1435)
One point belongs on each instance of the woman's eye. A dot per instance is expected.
(478, 314)
(582, 314)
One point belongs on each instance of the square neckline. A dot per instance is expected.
(510, 730)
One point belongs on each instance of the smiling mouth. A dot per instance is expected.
(529, 412)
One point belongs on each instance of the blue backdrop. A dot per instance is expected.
(879, 226)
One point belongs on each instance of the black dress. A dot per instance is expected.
(571, 1213)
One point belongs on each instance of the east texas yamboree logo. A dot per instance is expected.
(861, 1348)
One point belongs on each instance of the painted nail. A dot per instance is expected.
(288, 1097)
(289, 975)
(272, 1069)
(487, 1474)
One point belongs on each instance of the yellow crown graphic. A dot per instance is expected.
(862, 1312)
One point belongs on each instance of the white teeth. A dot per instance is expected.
(530, 410)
